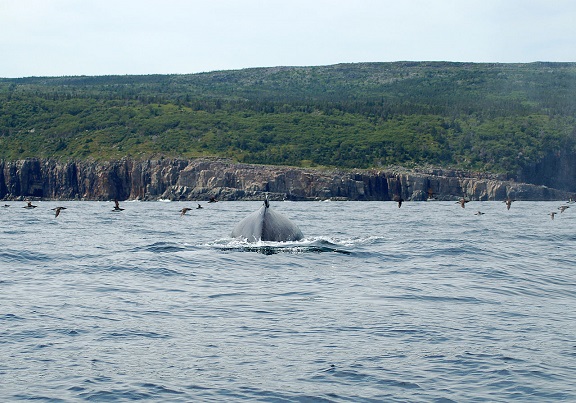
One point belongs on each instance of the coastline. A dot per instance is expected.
(200, 179)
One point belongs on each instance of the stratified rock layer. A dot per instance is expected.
(200, 179)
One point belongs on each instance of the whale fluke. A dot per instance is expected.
(266, 224)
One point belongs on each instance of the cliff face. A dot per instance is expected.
(556, 170)
(200, 179)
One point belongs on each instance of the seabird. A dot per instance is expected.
(199, 207)
(430, 193)
(117, 206)
(331, 369)
(212, 200)
(552, 214)
(29, 205)
(398, 200)
(508, 202)
(184, 211)
(478, 213)
(57, 210)
(463, 202)
(562, 208)
(6, 205)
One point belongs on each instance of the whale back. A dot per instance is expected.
(266, 224)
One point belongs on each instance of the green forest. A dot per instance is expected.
(483, 117)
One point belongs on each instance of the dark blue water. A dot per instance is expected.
(428, 302)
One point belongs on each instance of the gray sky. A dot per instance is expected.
(101, 37)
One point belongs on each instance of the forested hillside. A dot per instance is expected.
(503, 118)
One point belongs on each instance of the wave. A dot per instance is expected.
(313, 245)
(24, 257)
(161, 247)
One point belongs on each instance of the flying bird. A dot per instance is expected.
(552, 214)
(184, 211)
(117, 206)
(398, 200)
(563, 208)
(463, 202)
(57, 210)
(508, 202)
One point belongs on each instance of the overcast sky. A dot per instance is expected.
(101, 37)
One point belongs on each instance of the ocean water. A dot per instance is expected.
(424, 303)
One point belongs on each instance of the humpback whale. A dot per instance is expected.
(266, 224)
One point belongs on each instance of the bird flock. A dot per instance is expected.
(399, 200)
(463, 200)
(117, 208)
(508, 203)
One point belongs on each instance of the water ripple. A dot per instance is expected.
(423, 303)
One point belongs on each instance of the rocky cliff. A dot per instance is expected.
(556, 170)
(200, 179)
